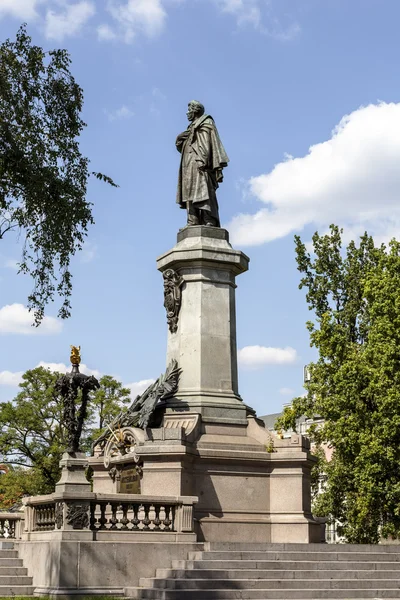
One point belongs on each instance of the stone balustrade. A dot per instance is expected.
(44, 518)
(133, 516)
(109, 516)
(11, 525)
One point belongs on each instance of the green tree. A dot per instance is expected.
(355, 383)
(17, 483)
(31, 427)
(43, 175)
(106, 404)
(32, 436)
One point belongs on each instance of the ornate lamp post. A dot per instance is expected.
(74, 387)
(69, 386)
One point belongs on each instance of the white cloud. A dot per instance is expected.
(24, 10)
(63, 368)
(105, 33)
(88, 253)
(249, 12)
(69, 21)
(16, 318)
(286, 391)
(120, 113)
(137, 16)
(12, 264)
(245, 11)
(352, 179)
(257, 357)
(15, 378)
(9, 263)
(10, 378)
(139, 387)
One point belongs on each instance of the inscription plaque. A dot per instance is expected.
(129, 482)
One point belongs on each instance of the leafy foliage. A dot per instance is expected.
(31, 426)
(355, 383)
(17, 483)
(106, 404)
(32, 436)
(43, 175)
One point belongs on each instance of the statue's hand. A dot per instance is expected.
(180, 140)
(219, 175)
(182, 137)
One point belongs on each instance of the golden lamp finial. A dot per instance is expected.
(75, 355)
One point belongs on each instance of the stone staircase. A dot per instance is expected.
(14, 580)
(285, 571)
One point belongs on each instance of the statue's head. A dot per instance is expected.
(195, 110)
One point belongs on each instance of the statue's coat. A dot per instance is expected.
(200, 146)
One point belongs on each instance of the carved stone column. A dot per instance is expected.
(204, 339)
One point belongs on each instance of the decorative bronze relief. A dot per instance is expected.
(77, 515)
(115, 474)
(59, 514)
(172, 297)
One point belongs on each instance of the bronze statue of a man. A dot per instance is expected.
(203, 159)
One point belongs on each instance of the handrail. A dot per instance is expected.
(110, 512)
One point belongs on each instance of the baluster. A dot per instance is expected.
(11, 529)
(2, 523)
(135, 521)
(173, 510)
(157, 520)
(124, 521)
(103, 519)
(146, 521)
(93, 516)
(167, 520)
(114, 520)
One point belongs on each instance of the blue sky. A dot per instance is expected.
(306, 97)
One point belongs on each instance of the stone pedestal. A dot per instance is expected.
(73, 478)
(250, 487)
(210, 445)
(205, 341)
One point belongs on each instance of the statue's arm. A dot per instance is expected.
(180, 140)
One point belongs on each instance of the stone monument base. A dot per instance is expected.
(250, 487)
(204, 441)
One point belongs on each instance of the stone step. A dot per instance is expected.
(10, 562)
(267, 584)
(5, 545)
(255, 546)
(15, 580)
(16, 590)
(296, 556)
(299, 594)
(13, 571)
(8, 554)
(273, 574)
(300, 565)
